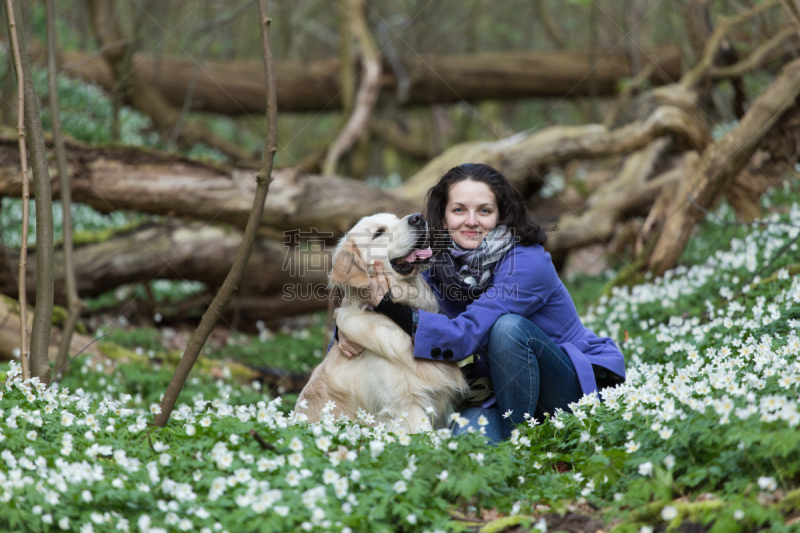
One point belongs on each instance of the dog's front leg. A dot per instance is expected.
(376, 333)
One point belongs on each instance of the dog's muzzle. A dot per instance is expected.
(420, 252)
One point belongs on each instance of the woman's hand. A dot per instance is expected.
(378, 285)
(349, 348)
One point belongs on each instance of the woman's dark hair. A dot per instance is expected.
(512, 210)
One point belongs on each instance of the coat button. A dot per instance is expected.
(436, 353)
(447, 354)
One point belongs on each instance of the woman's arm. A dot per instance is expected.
(522, 284)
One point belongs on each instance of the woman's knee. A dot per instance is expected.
(510, 335)
(515, 327)
(509, 325)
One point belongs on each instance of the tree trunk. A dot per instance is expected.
(43, 316)
(74, 303)
(235, 88)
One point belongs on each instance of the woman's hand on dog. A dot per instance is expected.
(378, 285)
(349, 348)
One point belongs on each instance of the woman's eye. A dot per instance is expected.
(457, 210)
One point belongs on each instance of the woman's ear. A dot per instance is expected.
(349, 267)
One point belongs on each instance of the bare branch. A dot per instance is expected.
(43, 314)
(551, 27)
(208, 29)
(791, 10)
(23, 155)
(74, 304)
(367, 92)
(61, 369)
(698, 73)
(756, 59)
(231, 282)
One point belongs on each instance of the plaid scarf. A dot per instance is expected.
(463, 273)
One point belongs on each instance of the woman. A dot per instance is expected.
(507, 317)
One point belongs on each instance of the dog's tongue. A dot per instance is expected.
(424, 253)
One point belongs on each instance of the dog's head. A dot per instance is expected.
(400, 244)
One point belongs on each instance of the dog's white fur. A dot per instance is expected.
(385, 380)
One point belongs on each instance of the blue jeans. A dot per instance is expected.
(530, 374)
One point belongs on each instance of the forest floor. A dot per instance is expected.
(702, 436)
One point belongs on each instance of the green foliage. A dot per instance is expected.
(295, 351)
(162, 290)
(89, 225)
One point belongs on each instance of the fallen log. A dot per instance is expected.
(177, 251)
(235, 88)
(125, 178)
(114, 178)
(246, 311)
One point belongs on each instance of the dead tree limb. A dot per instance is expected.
(225, 293)
(521, 156)
(757, 58)
(606, 205)
(719, 163)
(74, 304)
(793, 10)
(694, 77)
(551, 28)
(368, 90)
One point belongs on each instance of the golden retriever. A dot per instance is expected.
(385, 380)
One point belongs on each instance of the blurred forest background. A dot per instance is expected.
(606, 114)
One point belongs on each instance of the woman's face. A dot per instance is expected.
(471, 213)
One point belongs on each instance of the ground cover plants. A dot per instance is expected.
(703, 431)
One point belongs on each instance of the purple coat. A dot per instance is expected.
(525, 283)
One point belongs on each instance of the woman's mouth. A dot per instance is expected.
(470, 233)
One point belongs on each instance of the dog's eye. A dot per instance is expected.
(379, 233)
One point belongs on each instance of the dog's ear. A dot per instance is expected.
(349, 267)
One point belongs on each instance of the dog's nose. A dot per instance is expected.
(415, 220)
